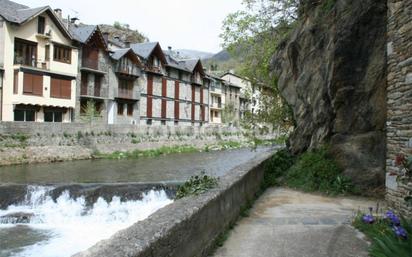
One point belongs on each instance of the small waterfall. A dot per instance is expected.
(73, 226)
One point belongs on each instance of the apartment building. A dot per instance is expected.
(39, 63)
(249, 95)
(217, 100)
(173, 92)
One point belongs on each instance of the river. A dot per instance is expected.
(39, 225)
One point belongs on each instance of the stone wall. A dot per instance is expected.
(399, 121)
(188, 227)
(48, 142)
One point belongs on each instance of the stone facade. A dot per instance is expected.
(399, 90)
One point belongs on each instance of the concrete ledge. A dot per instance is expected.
(188, 227)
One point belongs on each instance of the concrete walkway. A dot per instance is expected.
(286, 223)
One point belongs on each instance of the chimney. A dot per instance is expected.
(127, 44)
(106, 36)
(74, 21)
(58, 12)
(170, 48)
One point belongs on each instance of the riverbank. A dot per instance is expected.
(43, 143)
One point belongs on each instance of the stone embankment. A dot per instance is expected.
(190, 226)
(42, 142)
(399, 123)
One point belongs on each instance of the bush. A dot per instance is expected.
(312, 171)
(196, 185)
(317, 171)
(390, 235)
(277, 167)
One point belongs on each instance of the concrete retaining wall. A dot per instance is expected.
(42, 142)
(188, 227)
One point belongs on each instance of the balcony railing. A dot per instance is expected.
(131, 70)
(216, 105)
(155, 69)
(90, 63)
(126, 93)
(31, 62)
(197, 80)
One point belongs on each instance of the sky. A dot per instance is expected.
(182, 24)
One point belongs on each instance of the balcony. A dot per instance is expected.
(128, 70)
(32, 62)
(90, 63)
(124, 93)
(216, 106)
(197, 80)
(154, 69)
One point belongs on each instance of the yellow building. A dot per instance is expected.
(39, 65)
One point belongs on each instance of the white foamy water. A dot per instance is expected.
(73, 226)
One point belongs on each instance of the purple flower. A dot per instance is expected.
(400, 232)
(395, 220)
(369, 219)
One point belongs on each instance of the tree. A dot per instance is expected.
(90, 112)
(256, 32)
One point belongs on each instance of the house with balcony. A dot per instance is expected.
(200, 84)
(216, 99)
(124, 94)
(39, 63)
(153, 82)
(94, 66)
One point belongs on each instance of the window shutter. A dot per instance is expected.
(28, 83)
(66, 88)
(55, 87)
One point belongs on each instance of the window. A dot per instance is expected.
(53, 116)
(216, 114)
(130, 109)
(32, 84)
(125, 89)
(24, 115)
(163, 122)
(60, 88)
(120, 108)
(176, 123)
(16, 82)
(62, 54)
(41, 25)
(25, 52)
(149, 121)
(47, 53)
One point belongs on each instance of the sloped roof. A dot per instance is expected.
(192, 64)
(144, 50)
(19, 14)
(82, 33)
(175, 63)
(120, 53)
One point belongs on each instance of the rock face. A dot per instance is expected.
(332, 72)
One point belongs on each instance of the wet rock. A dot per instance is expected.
(332, 72)
(16, 218)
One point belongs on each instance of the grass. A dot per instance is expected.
(147, 153)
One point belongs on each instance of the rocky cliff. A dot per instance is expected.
(332, 71)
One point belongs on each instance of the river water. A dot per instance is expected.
(40, 226)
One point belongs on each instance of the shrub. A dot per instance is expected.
(317, 171)
(390, 235)
(196, 185)
(277, 167)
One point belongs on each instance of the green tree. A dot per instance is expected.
(256, 32)
(90, 112)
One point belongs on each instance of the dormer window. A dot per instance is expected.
(41, 25)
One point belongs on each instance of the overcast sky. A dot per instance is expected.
(182, 24)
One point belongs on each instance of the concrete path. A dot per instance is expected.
(286, 223)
